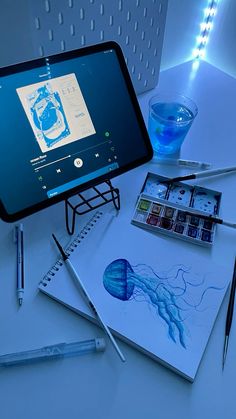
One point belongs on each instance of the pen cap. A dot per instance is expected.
(100, 344)
(17, 228)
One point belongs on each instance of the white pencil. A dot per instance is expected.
(207, 173)
(86, 296)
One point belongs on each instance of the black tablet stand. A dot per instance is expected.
(89, 200)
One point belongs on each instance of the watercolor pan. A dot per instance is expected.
(165, 208)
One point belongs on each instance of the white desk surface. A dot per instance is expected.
(100, 385)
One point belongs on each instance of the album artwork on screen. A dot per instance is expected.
(56, 111)
(68, 122)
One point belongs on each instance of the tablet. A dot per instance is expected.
(68, 122)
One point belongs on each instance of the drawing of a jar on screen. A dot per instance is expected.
(48, 116)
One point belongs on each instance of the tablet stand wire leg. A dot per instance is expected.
(94, 199)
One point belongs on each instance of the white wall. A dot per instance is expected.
(221, 50)
(182, 27)
(15, 32)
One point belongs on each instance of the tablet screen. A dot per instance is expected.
(68, 122)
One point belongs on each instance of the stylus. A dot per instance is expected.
(86, 296)
(19, 238)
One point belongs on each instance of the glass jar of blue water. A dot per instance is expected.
(170, 117)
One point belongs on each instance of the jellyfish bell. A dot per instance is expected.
(117, 279)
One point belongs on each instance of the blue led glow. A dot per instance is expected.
(205, 28)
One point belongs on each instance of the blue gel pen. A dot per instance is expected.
(60, 350)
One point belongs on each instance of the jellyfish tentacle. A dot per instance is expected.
(172, 312)
(165, 316)
(175, 317)
(169, 312)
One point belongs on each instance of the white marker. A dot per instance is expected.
(183, 163)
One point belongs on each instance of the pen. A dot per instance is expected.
(229, 316)
(207, 173)
(20, 262)
(86, 296)
(183, 163)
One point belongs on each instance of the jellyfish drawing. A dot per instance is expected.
(120, 280)
(166, 292)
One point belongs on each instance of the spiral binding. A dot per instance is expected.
(74, 244)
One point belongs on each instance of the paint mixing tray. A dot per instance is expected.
(177, 209)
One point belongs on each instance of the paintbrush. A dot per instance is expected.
(211, 218)
(206, 173)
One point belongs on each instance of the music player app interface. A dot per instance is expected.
(64, 124)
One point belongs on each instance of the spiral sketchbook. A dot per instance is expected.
(152, 292)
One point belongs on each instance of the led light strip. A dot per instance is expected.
(206, 26)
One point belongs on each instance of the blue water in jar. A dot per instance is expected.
(168, 126)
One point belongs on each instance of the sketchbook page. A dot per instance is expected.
(154, 293)
(58, 284)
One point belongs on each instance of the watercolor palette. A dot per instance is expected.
(177, 209)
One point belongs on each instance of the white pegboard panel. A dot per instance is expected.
(137, 25)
